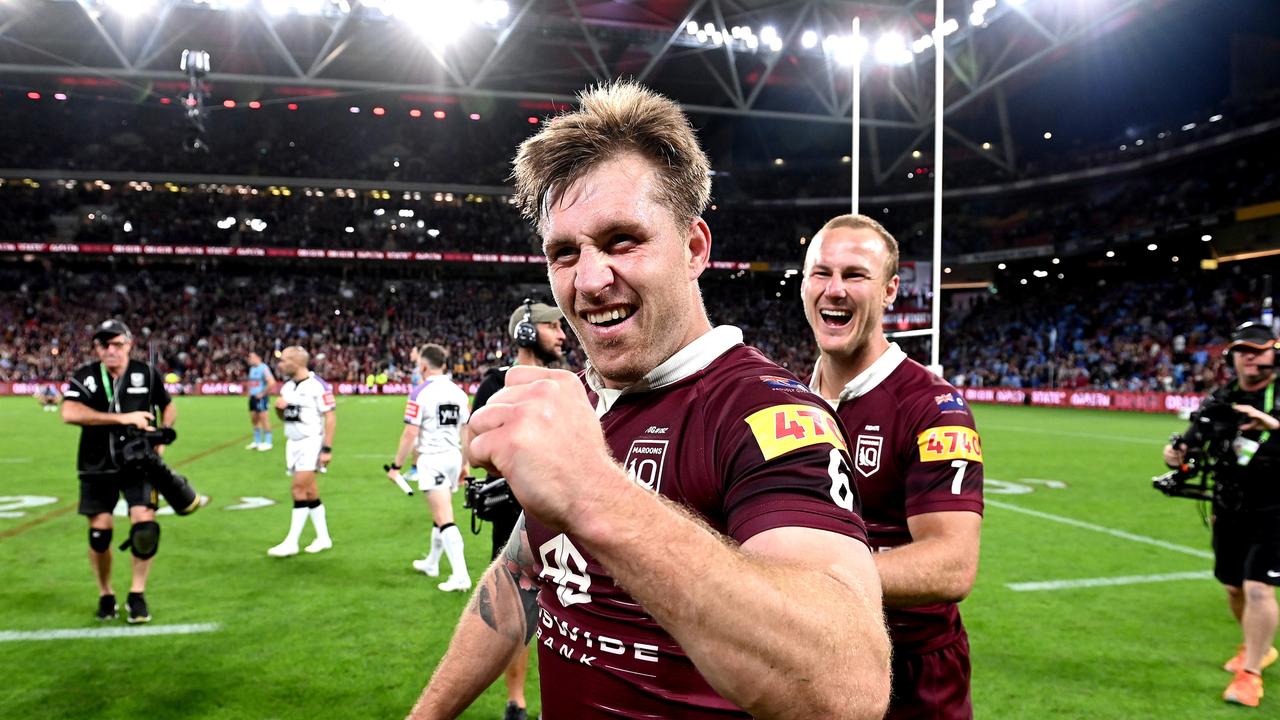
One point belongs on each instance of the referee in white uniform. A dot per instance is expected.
(306, 407)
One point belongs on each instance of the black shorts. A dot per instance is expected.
(1246, 546)
(932, 685)
(101, 494)
(258, 404)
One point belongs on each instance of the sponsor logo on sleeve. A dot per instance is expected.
(782, 383)
(328, 399)
(949, 442)
(950, 401)
(781, 429)
(866, 454)
(411, 411)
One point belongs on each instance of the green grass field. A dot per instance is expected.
(355, 632)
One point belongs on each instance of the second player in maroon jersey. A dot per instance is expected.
(917, 464)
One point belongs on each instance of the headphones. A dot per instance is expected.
(526, 335)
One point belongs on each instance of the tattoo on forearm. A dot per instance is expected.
(485, 607)
(514, 572)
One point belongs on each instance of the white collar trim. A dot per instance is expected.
(868, 379)
(688, 360)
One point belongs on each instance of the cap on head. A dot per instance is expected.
(538, 313)
(111, 328)
(1253, 335)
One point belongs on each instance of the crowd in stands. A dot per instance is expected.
(222, 215)
(1121, 332)
(1144, 333)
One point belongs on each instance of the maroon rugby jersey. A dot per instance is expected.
(738, 440)
(916, 451)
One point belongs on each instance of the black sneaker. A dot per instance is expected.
(137, 609)
(107, 608)
(515, 712)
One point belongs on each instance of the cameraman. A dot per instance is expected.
(1246, 528)
(538, 337)
(102, 397)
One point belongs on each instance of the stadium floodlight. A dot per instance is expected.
(276, 8)
(1048, 135)
(891, 49)
(1206, 238)
(131, 8)
(1153, 247)
(950, 26)
(977, 18)
(701, 35)
(1111, 253)
(809, 39)
(1215, 118)
(692, 27)
(493, 11)
(767, 34)
(752, 42)
(1188, 127)
(1002, 266)
(709, 28)
(309, 7)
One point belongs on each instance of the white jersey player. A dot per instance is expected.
(434, 416)
(306, 406)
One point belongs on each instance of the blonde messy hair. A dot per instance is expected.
(862, 222)
(612, 119)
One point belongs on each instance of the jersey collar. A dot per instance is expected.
(868, 379)
(688, 360)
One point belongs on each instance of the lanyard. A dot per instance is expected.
(1270, 403)
(107, 386)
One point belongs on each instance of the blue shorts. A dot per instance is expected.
(258, 404)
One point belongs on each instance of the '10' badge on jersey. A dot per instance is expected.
(782, 428)
(644, 462)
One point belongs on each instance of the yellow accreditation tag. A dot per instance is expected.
(949, 442)
(782, 428)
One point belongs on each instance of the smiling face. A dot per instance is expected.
(846, 290)
(623, 270)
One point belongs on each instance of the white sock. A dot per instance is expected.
(320, 523)
(437, 546)
(296, 522)
(451, 538)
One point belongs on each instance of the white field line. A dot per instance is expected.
(1195, 552)
(1156, 441)
(14, 460)
(1108, 581)
(107, 632)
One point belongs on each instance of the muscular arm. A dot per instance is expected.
(75, 413)
(408, 439)
(267, 383)
(330, 422)
(789, 625)
(501, 617)
(938, 565)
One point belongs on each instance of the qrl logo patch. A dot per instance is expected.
(136, 379)
(867, 454)
(644, 463)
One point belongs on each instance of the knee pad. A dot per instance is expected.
(144, 539)
(100, 539)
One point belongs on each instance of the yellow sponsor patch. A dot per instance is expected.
(949, 442)
(782, 428)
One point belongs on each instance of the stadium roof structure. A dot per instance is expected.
(783, 60)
